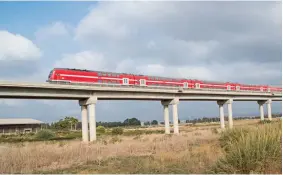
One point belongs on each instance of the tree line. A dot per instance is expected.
(72, 123)
(217, 119)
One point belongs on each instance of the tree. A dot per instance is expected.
(67, 122)
(154, 122)
(132, 122)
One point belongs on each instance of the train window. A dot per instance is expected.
(185, 85)
(99, 74)
(109, 75)
(99, 81)
(49, 76)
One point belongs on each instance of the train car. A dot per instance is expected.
(89, 77)
(77, 76)
(73, 76)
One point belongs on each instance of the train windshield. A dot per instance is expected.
(49, 76)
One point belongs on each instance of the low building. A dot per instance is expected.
(19, 125)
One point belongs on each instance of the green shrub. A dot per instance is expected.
(117, 131)
(100, 129)
(264, 121)
(45, 135)
(231, 136)
(258, 151)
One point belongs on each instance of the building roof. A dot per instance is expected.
(18, 121)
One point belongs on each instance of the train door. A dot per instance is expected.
(238, 88)
(228, 87)
(125, 81)
(142, 82)
(185, 85)
(197, 86)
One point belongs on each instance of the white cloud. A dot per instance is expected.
(176, 39)
(152, 69)
(55, 29)
(82, 60)
(17, 47)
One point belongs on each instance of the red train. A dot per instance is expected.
(65, 75)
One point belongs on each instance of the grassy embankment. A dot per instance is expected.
(245, 149)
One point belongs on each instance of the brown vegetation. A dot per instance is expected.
(195, 150)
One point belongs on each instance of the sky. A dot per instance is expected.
(222, 41)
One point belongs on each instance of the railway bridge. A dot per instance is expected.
(88, 95)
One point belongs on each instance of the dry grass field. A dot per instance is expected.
(197, 149)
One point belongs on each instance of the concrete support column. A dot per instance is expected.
(174, 104)
(166, 119)
(92, 122)
(269, 113)
(221, 113)
(84, 123)
(260, 103)
(230, 113)
(175, 118)
(90, 105)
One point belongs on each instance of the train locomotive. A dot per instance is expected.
(78, 76)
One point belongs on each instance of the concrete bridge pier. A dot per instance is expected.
(174, 104)
(166, 118)
(230, 113)
(221, 113)
(84, 123)
(261, 110)
(90, 105)
(269, 113)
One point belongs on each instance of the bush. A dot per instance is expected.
(231, 136)
(117, 131)
(258, 151)
(264, 121)
(45, 135)
(100, 129)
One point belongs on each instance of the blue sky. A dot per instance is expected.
(27, 17)
(225, 41)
